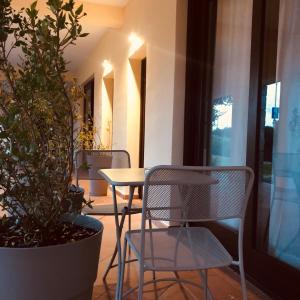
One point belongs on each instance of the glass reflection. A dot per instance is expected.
(221, 131)
(279, 187)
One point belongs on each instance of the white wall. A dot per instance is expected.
(162, 25)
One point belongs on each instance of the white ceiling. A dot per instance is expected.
(77, 54)
(100, 17)
(104, 2)
(109, 2)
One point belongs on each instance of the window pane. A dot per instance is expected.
(279, 188)
(231, 82)
(231, 76)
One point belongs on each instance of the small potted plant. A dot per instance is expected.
(47, 250)
(90, 141)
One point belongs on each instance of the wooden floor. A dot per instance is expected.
(224, 283)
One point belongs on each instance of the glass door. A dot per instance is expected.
(278, 201)
(230, 86)
(274, 214)
(243, 108)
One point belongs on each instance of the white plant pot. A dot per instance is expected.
(98, 187)
(61, 272)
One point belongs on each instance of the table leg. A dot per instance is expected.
(119, 227)
(120, 277)
(121, 224)
(117, 237)
(112, 259)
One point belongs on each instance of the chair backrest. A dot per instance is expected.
(195, 194)
(88, 162)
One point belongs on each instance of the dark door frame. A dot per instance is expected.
(199, 74)
(89, 86)
(274, 277)
(142, 111)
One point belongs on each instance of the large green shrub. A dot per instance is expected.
(37, 113)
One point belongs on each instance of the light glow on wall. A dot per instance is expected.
(135, 43)
(133, 110)
(107, 67)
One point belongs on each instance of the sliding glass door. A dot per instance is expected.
(278, 223)
(230, 85)
(243, 99)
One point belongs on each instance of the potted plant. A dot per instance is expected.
(89, 140)
(47, 250)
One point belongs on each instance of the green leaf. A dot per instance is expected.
(61, 21)
(79, 10)
(33, 5)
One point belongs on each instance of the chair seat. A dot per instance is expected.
(108, 209)
(179, 249)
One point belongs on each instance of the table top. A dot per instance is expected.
(136, 177)
(124, 177)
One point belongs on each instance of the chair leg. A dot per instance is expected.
(123, 269)
(153, 275)
(204, 284)
(129, 228)
(153, 272)
(243, 280)
(141, 283)
(241, 261)
(129, 221)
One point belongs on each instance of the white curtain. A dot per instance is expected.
(284, 230)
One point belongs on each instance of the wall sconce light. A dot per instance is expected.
(107, 67)
(135, 42)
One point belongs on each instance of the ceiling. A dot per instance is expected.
(104, 2)
(75, 55)
(109, 2)
(101, 16)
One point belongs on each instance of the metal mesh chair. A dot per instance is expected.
(87, 164)
(183, 195)
(103, 159)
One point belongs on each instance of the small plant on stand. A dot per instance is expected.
(92, 160)
(89, 138)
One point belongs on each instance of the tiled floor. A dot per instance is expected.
(224, 284)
